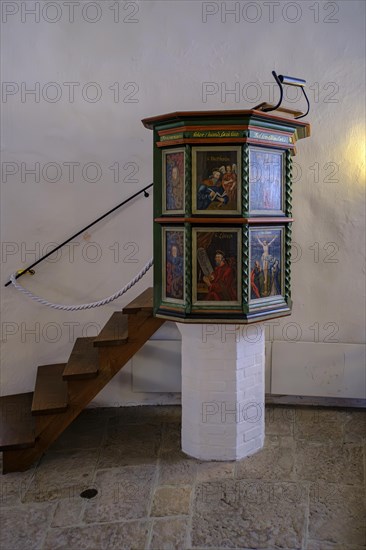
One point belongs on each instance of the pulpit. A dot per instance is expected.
(222, 266)
(223, 215)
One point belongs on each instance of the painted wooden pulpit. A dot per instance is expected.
(223, 215)
(222, 245)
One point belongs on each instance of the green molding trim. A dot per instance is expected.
(288, 184)
(158, 266)
(246, 269)
(188, 181)
(245, 180)
(157, 232)
(288, 240)
(188, 267)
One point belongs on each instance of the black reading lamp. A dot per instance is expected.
(289, 81)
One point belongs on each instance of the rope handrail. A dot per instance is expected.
(80, 307)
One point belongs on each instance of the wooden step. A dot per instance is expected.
(17, 427)
(115, 332)
(144, 302)
(82, 392)
(83, 362)
(50, 394)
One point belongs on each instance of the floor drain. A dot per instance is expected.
(89, 493)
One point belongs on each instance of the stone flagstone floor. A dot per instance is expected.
(304, 490)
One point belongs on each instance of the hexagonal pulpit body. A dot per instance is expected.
(222, 215)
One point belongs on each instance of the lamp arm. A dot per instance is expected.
(308, 103)
(281, 94)
(290, 81)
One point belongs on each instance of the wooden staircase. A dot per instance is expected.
(31, 422)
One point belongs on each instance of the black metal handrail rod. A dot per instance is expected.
(28, 269)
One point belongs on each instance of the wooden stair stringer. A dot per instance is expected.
(81, 392)
(115, 332)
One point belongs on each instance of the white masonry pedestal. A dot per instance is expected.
(222, 390)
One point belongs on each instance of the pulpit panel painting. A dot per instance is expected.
(266, 262)
(216, 261)
(216, 180)
(173, 265)
(173, 181)
(266, 173)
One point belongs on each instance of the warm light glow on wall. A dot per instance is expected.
(354, 154)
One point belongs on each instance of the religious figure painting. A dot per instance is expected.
(216, 180)
(216, 260)
(173, 181)
(266, 271)
(266, 181)
(173, 264)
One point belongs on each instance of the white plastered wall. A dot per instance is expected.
(164, 55)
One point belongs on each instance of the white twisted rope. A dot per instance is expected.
(114, 296)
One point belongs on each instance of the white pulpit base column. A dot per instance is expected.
(222, 390)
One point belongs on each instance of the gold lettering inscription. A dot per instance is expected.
(218, 133)
(270, 137)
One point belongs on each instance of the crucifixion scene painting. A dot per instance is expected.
(217, 264)
(265, 263)
(216, 179)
